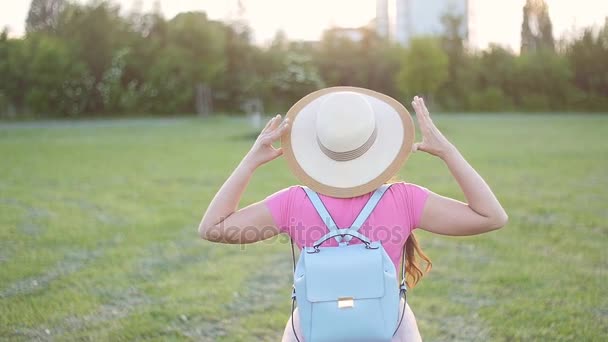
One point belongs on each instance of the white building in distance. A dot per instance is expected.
(401, 20)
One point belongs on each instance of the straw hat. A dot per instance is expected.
(347, 141)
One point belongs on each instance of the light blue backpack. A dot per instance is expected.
(349, 292)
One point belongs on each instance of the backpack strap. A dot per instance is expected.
(361, 218)
(367, 209)
(322, 211)
(402, 289)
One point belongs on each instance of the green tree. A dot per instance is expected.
(542, 82)
(171, 59)
(382, 61)
(494, 87)
(240, 80)
(203, 40)
(462, 70)
(340, 58)
(44, 15)
(358, 57)
(197, 47)
(96, 32)
(587, 56)
(287, 73)
(6, 72)
(149, 49)
(536, 29)
(43, 77)
(15, 72)
(424, 68)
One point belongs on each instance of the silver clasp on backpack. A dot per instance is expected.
(314, 250)
(370, 246)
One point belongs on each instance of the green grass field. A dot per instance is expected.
(98, 234)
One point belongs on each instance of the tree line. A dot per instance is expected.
(89, 59)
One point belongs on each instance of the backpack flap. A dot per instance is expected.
(351, 271)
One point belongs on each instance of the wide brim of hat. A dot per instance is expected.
(345, 179)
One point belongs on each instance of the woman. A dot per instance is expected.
(403, 208)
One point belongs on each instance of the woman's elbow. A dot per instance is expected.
(500, 221)
(202, 232)
(206, 233)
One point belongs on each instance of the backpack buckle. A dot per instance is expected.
(313, 251)
(370, 246)
(346, 302)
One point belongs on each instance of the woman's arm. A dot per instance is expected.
(447, 216)
(222, 221)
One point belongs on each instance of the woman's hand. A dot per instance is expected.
(433, 141)
(443, 215)
(223, 221)
(262, 150)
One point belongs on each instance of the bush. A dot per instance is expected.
(491, 99)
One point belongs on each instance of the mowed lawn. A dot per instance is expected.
(98, 234)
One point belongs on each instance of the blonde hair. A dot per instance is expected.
(413, 253)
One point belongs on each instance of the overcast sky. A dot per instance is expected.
(496, 21)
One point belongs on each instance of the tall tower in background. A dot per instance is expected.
(410, 18)
(471, 36)
(403, 10)
(382, 23)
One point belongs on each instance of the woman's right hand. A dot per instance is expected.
(447, 216)
(262, 150)
(433, 141)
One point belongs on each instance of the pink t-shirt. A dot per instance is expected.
(391, 222)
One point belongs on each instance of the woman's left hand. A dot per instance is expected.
(433, 141)
(262, 150)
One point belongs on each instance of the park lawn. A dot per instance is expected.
(98, 234)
